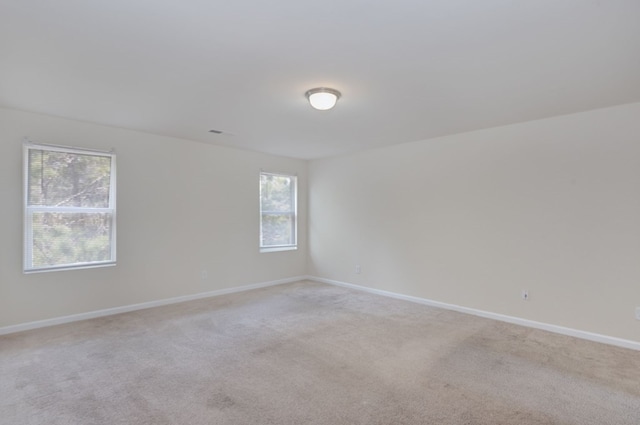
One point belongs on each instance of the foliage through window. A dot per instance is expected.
(70, 208)
(278, 211)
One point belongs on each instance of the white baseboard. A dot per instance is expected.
(133, 307)
(619, 342)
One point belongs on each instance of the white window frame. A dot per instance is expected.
(29, 210)
(293, 213)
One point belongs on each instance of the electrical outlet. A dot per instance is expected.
(358, 269)
(638, 313)
(204, 274)
(525, 295)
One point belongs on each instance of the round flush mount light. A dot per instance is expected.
(323, 98)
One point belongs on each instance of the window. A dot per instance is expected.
(70, 208)
(278, 205)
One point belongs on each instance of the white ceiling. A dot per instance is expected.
(408, 70)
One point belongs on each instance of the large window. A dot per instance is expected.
(70, 208)
(278, 206)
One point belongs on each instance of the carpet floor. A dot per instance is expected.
(310, 353)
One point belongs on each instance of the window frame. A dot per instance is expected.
(293, 213)
(28, 210)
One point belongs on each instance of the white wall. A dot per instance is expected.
(552, 206)
(183, 207)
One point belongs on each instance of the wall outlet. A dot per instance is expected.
(358, 269)
(525, 295)
(204, 274)
(638, 313)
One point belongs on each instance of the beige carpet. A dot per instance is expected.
(310, 353)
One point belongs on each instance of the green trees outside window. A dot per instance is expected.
(69, 208)
(278, 206)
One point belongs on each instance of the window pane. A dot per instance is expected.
(278, 210)
(70, 238)
(276, 193)
(64, 179)
(277, 230)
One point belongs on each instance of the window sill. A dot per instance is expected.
(65, 268)
(279, 248)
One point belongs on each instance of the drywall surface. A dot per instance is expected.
(182, 208)
(549, 206)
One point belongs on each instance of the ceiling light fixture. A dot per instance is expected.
(323, 98)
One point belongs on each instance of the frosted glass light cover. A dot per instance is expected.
(323, 101)
(323, 98)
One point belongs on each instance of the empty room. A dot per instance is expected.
(329, 213)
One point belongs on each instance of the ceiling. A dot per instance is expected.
(408, 70)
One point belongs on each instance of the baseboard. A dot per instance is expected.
(133, 307)
(619, 342)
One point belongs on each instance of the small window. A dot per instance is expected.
(278, 212)
(70, 208)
